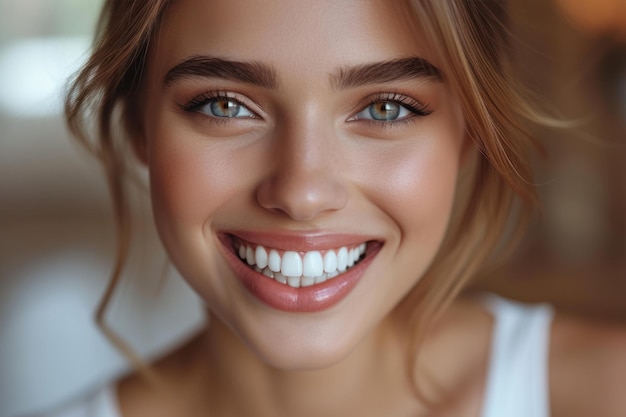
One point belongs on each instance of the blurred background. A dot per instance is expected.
(56, 232)
(573, 53)
(57, 237)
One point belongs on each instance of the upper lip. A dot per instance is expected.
(300, 241)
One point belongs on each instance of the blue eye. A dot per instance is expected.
(387, 108)
(224, 107)
(384, 111)
(219, 105)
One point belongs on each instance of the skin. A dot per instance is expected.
(303, 166)
(306, 163)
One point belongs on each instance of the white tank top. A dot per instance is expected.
(517, 382)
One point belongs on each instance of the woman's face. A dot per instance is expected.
(297, 136)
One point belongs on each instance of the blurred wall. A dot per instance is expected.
(56, 233)
(575, 252)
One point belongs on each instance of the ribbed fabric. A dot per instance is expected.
(517, 382)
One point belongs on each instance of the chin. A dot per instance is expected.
(305, 355)
(299, 342)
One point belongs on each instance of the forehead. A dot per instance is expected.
(301, 35)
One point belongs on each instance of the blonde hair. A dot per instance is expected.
(471, 40)
(474, 45)
(108, 84)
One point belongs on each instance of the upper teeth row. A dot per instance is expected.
(310, 264)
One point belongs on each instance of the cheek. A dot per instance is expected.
(415, 184)
(193, 176)
(190, 181)
(185, 181)
(197, 182)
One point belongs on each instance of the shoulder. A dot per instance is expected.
(99, 403)
(587, 367)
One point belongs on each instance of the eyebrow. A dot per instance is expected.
(402, 69)
(260, 74)
(210, 67)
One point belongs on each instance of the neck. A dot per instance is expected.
(239, 379)
(218, 373)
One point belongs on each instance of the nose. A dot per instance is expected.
(304, 181)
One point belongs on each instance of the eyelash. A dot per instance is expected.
(416, 108)
(195, 104)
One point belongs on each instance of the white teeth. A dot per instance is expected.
(321, 278)
(280, 278)
(301, 271)
(293, 282)
(274, 261)
(291, 266)
(312, 264)
(354, 255)
(330, 261)
(342, 259)
(249, 256)
(260, 255)
(307, 281)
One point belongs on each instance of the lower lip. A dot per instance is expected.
(310, 299)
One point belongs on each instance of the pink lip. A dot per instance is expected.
(299, 242)
(315, 298)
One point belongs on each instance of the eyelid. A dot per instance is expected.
(416, 107)
(200, 100)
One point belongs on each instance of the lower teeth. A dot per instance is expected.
(301, 281)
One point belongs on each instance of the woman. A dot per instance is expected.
(327, 176)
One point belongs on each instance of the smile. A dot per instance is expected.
(298, 273)
(300, 269)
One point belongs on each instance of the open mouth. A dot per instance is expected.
(278, 272)
(299, 269)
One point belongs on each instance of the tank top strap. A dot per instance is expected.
(517, 381)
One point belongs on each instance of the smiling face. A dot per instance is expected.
(287, 141)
